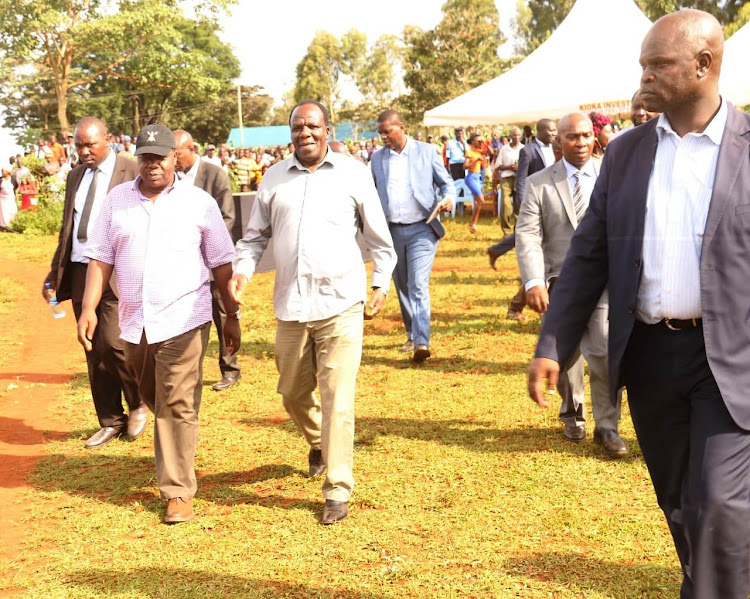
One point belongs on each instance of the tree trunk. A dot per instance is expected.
(62, 109)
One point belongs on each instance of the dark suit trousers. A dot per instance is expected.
(228, 362)
(109, 375)
(698, 458)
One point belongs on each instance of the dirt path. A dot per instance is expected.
(36, 367)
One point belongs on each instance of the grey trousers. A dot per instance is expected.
(323, 353)
(593, 349)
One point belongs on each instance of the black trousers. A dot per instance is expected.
(109, 375)
(228, 363)
(698, 458)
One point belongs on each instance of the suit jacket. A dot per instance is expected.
(426, 170)
(530, 161)
(212, 179)
(607, 249)
(126, 169)
(546, 223)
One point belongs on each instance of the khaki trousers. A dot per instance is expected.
(170, 382)
(324, 353)
(505, 210)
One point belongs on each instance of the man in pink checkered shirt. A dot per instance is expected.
(162, 238)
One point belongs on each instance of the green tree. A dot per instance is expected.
(743, 17)
(456, 56)
(73, 46)
(327, 60)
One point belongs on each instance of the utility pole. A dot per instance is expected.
(239, 112)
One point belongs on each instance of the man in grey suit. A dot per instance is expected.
(213, 180)
(556, 199)
(406, 172)
(667, 232)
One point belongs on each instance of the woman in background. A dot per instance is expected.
(474, 164)
(8, 206)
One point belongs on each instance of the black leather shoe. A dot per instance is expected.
(575, 433)
(137, 421)
(334, 511)
(421, 353)
(227, 380)
(315, 461)
(611, 441)
(102, 437)
(493, 258)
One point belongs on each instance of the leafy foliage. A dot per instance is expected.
(130, 61)
(456, 56)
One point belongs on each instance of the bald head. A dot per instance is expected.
(184, 150)
(339, 147)
(681, 59)
(91, 123)
(90, 139)
(576, 136)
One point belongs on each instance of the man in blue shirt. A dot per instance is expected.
(456, 155)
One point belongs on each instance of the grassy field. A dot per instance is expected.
(463, 487)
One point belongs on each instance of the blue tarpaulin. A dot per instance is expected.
(280, 135)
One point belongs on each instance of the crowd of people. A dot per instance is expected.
(631, 244)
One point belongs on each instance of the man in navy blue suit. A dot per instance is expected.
(406, 172)
(668, 230)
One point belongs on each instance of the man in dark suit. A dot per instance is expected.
(667, 230)
(213, 180)
(98, 172)
(534, 156)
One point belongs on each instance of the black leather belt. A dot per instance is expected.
(404, 224)
(675, 324)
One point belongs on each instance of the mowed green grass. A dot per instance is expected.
(464, 488)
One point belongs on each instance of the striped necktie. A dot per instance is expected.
(579, 206)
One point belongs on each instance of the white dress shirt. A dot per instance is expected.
(548, 154)
(189, 176)
(103, 179)
(403, 207)
(215, 160)
(314, 218)
(679, 195)
(588, 179)
(507, 155)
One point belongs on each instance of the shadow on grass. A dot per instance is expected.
(444, 365)
(158, 582)
(614, 579)
(36, 377)
(15, 431)
(472, 435)
(127, 477)
(258, 350)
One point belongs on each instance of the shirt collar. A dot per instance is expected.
(193, 172)
(330, 158)
(541, 145)
(108, 164)
(586, 169)
(714, 131)
(406, 149)
(137, 189)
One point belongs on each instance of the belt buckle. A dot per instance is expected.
(669, 325)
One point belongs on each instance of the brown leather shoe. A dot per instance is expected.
(334, 511)
(575, 433)
(137, 421)
(316, 463)
(421, 353)
(516, 315)
(179, 510)
(102, 437)
(611, 441)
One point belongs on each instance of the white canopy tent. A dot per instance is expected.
(581, 66)
(734, 82)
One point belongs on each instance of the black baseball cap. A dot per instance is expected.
(154, 139)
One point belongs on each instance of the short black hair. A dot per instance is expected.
(323, 109)
(389, 114)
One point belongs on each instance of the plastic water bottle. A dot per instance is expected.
(57, 310)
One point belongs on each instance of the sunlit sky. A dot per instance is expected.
(270, 38)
